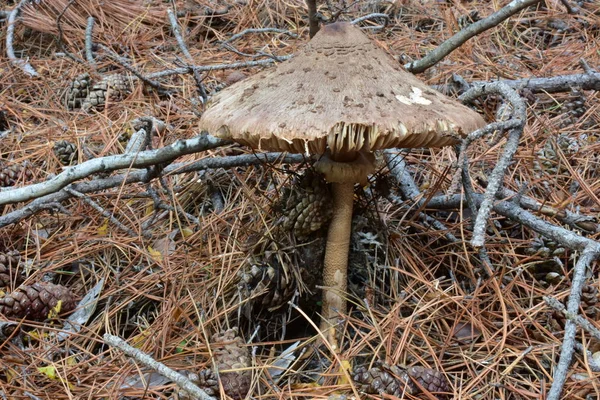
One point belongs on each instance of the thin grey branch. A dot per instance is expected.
(182, 381)
(496, 178)
(204, 68)
(578, 319)
(260, 30)
(89, 42)
(111, 163)
(177, 33)
(135, 176)
(10, 32)
(125, 64)
(511, 210)
(555, 84)
(384, 17)
(588, 255)
(102, 211)
(467, 33)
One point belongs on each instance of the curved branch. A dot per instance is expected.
(467, 33)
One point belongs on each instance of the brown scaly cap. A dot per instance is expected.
(341, 93)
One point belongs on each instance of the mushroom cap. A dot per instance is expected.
(341, 93)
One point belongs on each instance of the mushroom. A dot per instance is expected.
(342, 97)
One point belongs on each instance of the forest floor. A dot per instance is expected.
(176, 261)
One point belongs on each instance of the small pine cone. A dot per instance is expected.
(589, 301)
(230, 353)
(575, 106)
(309, 206)
(15, 173)
(430, 379)
(9, 262)
(66, 152)
(468, 19)
(111, 88)
(37, 301)
(78, 91)
(381, 380)
(268, 287)
(550, 159)
(208, 381)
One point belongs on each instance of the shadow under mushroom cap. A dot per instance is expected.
(341, 93)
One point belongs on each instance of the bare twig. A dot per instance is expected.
(102, 211)
(89, 42)
(511, 210)
(586, 67)
(183, 382)
(495, 181)
(177, 33)
(260, 30)
(410, 190)
(578, 319)
(465, 34)
(384, 17)
(125, 64)
(562, 83)
(588, 255)
(10, 32)
(245, 64)
(594, 365)
(143, 176)
(111, 163)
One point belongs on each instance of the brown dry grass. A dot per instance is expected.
(419, 287)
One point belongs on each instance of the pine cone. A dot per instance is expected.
(550, 159)
(111, 88)
(9, 262)
(230, 353)
(430, 379)
(12, 174)
(468, 19)
(208, 381)
(78, 91)
(575, 106)
(381, 380)
(268, 286)
(589, 301)
(309, 206)
(66, 152)
(35, 302)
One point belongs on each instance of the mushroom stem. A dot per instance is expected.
(335, 272)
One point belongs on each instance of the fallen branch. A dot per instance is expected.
(579, 320)
(182, 381)
(434, 56)
(89, 43)
(111, 163)
(177, 32)
(562, 83)
(10, 32)
(589, 254)
(136, 176)
(518, 117)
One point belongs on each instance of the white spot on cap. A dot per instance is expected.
(416, 97)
